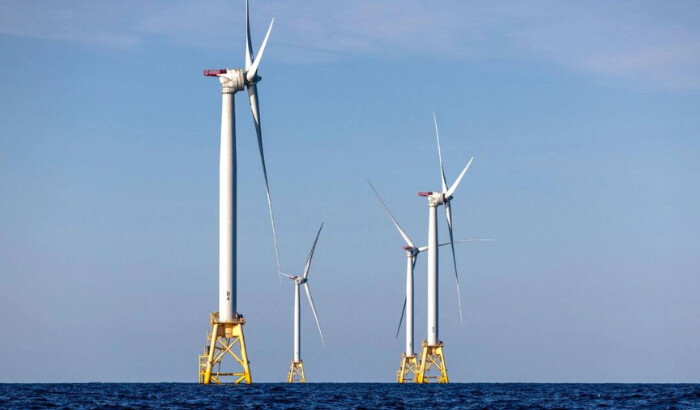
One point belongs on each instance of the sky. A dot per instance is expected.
(582, 120)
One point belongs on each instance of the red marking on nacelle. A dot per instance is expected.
(425, 193)
(407, 248)
(214, 73)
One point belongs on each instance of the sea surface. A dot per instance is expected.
(349, 395)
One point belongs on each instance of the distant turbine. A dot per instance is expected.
(432, 354)
(296, 370)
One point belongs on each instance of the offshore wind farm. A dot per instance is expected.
(409, 367)
(134, 210)
(225, 340)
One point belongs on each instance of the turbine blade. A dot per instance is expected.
(289, 276)
(248, 45)
(448, 214)
(459, 179)
(403, 311)
(253, 69)
(396, 224)
(313, 309)
(311, 254)
(425, 248)
(253, 95)
(442, 170)
(467, 240)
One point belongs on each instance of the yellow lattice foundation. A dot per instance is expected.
(407, 369)
(224, 340)
(432, 365)
(296, 372)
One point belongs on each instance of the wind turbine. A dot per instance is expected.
(296, 370)
(432, 353)
(227, 331)
(409, 366)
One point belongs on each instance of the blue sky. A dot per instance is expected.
(583, 121)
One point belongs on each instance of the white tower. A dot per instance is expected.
(432, 350)
(226, 335)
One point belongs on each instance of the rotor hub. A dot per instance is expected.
(254, 81)
(411, 251)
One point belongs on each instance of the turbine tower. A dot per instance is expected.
(296, 370)
(432, 356)
(408, 368)
(226, 334)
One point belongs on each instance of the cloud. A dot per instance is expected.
(98, 23)
(634, 42)
(645, 43)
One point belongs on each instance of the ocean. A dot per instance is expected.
(350, 395)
